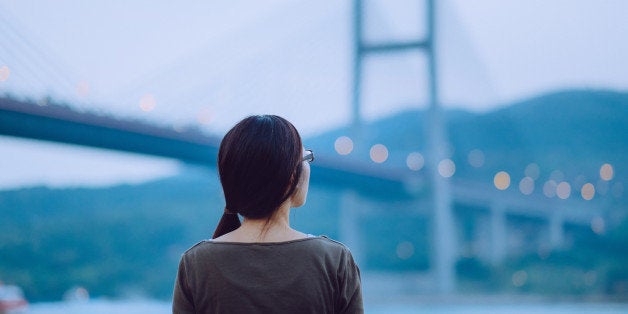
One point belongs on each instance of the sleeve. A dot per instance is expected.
(350, 300)
(182, 301)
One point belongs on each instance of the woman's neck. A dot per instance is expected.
(274, 229)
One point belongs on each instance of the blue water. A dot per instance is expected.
(500, 308)
(401, 307)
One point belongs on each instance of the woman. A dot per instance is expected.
(262, 265)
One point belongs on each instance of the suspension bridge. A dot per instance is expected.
(51, 121)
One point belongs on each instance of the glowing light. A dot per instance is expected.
(533, 171)
(476, 158)
(415, 161)
(544, 251)
(78, 294)
(606, 172)
(519, 278)
(590, 278)
(598, 225)
(4, 73)
(405, 250)
(501, 180)
(557, 175)
(379, 153)
(178, 127)
(549, 188)
(343, 145)
(43, 102)
(147, 103)
(82, 88)
(446, 168)
(587, 191)
(563, 190)
(526, 185)
(205, 116)
(618, 189)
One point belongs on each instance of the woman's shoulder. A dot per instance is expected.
(199, 246)
(321, 242)
(328, 246)
(317, 245)
(329, 242)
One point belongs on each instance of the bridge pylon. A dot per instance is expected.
(443, 237)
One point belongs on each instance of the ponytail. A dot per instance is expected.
(228, 222)
(259, 164)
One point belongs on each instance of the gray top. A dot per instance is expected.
(310, 275)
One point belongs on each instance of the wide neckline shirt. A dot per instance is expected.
(309, 275)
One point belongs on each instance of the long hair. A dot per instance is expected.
(259, 162)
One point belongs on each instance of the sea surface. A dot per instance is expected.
(397, 306)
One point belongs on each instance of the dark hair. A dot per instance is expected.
(259, 162)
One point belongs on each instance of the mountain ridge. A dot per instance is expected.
(558, 129)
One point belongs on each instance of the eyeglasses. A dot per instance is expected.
(309, 156)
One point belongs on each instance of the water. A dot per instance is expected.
(102, 307)
(566, 308)
(400, 307)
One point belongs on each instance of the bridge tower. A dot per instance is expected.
(443, 238)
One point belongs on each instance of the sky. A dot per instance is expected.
(210, 63)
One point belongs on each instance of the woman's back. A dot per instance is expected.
(309, 275)
(261, 264)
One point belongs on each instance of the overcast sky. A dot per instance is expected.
(217, 61)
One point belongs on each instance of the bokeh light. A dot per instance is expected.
(4, 73)
(415, 161)
(526, 185)
(446, 168)
(379, 153)
(617, 190)
(563, 190)
(606, 172)
(82, 89)
(549, 188)
(405, 250)
(205, 116)
(179, 127)
(501, 180)
(544, 251)
(519, 278)
(557, 175)
(343, 145)
(42, 102)
(587, 191)
(598, 225)
(590, 277)
(148, 103)
(533, 171)
(476, 158)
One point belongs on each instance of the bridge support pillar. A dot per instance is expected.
(350, 224)
(498, 234)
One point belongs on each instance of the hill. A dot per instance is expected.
(119, 240)
(574, 132)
